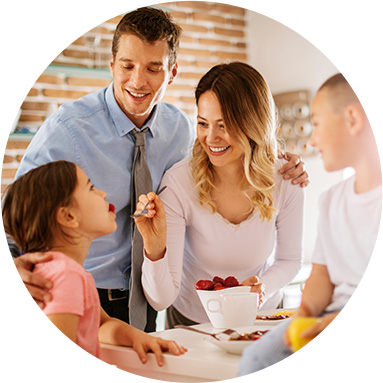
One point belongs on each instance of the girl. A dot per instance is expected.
(55, 208)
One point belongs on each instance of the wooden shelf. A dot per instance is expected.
(79, 71)
(21, 136)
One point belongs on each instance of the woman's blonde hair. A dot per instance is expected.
(249, 115)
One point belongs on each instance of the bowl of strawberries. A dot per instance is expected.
(211, 291)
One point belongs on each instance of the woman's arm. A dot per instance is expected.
(289, 239)
(161, 278)
(66, 323)
(117, 332)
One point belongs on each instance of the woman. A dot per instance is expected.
(228, 211)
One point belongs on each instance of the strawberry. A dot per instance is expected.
(231, 281)
(219, 286)
(204, 285)
(112, 208)
(218, 279)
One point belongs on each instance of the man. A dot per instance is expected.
(96, 132)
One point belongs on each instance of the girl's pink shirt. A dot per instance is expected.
(74, 292)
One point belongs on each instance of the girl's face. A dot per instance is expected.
(95, 216)
(212, 133)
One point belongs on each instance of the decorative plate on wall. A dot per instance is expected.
(294, 121)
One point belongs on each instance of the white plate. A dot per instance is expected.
(232, 346)
(237, 346)
(270, 312)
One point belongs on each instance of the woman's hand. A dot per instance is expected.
(152, 226)
(294, 169)
(256, 287)
(37, 286)
(143, 343)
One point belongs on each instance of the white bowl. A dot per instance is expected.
(216, 318)
(231, 346)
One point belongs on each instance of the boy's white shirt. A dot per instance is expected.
(347, 231)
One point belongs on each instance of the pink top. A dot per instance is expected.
(74, 292)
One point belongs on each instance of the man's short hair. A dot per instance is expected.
(150, 25)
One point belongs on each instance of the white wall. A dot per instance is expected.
(289, 62)
(285, 58)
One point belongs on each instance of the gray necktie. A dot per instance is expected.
(141, 184)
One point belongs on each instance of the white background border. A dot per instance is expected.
(33, 33)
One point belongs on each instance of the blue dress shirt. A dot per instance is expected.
(93, 132)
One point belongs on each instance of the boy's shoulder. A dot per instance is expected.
(344, 192)
(344, 186)
(336, 195)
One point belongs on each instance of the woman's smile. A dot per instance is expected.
(218, 150)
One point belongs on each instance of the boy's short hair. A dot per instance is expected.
(150, 25)
(31, 203)
(340, 92)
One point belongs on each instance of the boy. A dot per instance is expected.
(348, 222)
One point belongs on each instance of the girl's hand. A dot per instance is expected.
(119, 333)
(256, 287)
(152, 226)
(143, 343)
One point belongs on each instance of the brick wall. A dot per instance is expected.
(212, 33)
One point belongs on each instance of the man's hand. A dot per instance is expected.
(294, 169)
(37, 286)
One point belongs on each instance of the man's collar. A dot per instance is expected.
(121, 121)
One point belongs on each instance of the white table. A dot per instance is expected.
(202, 363)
